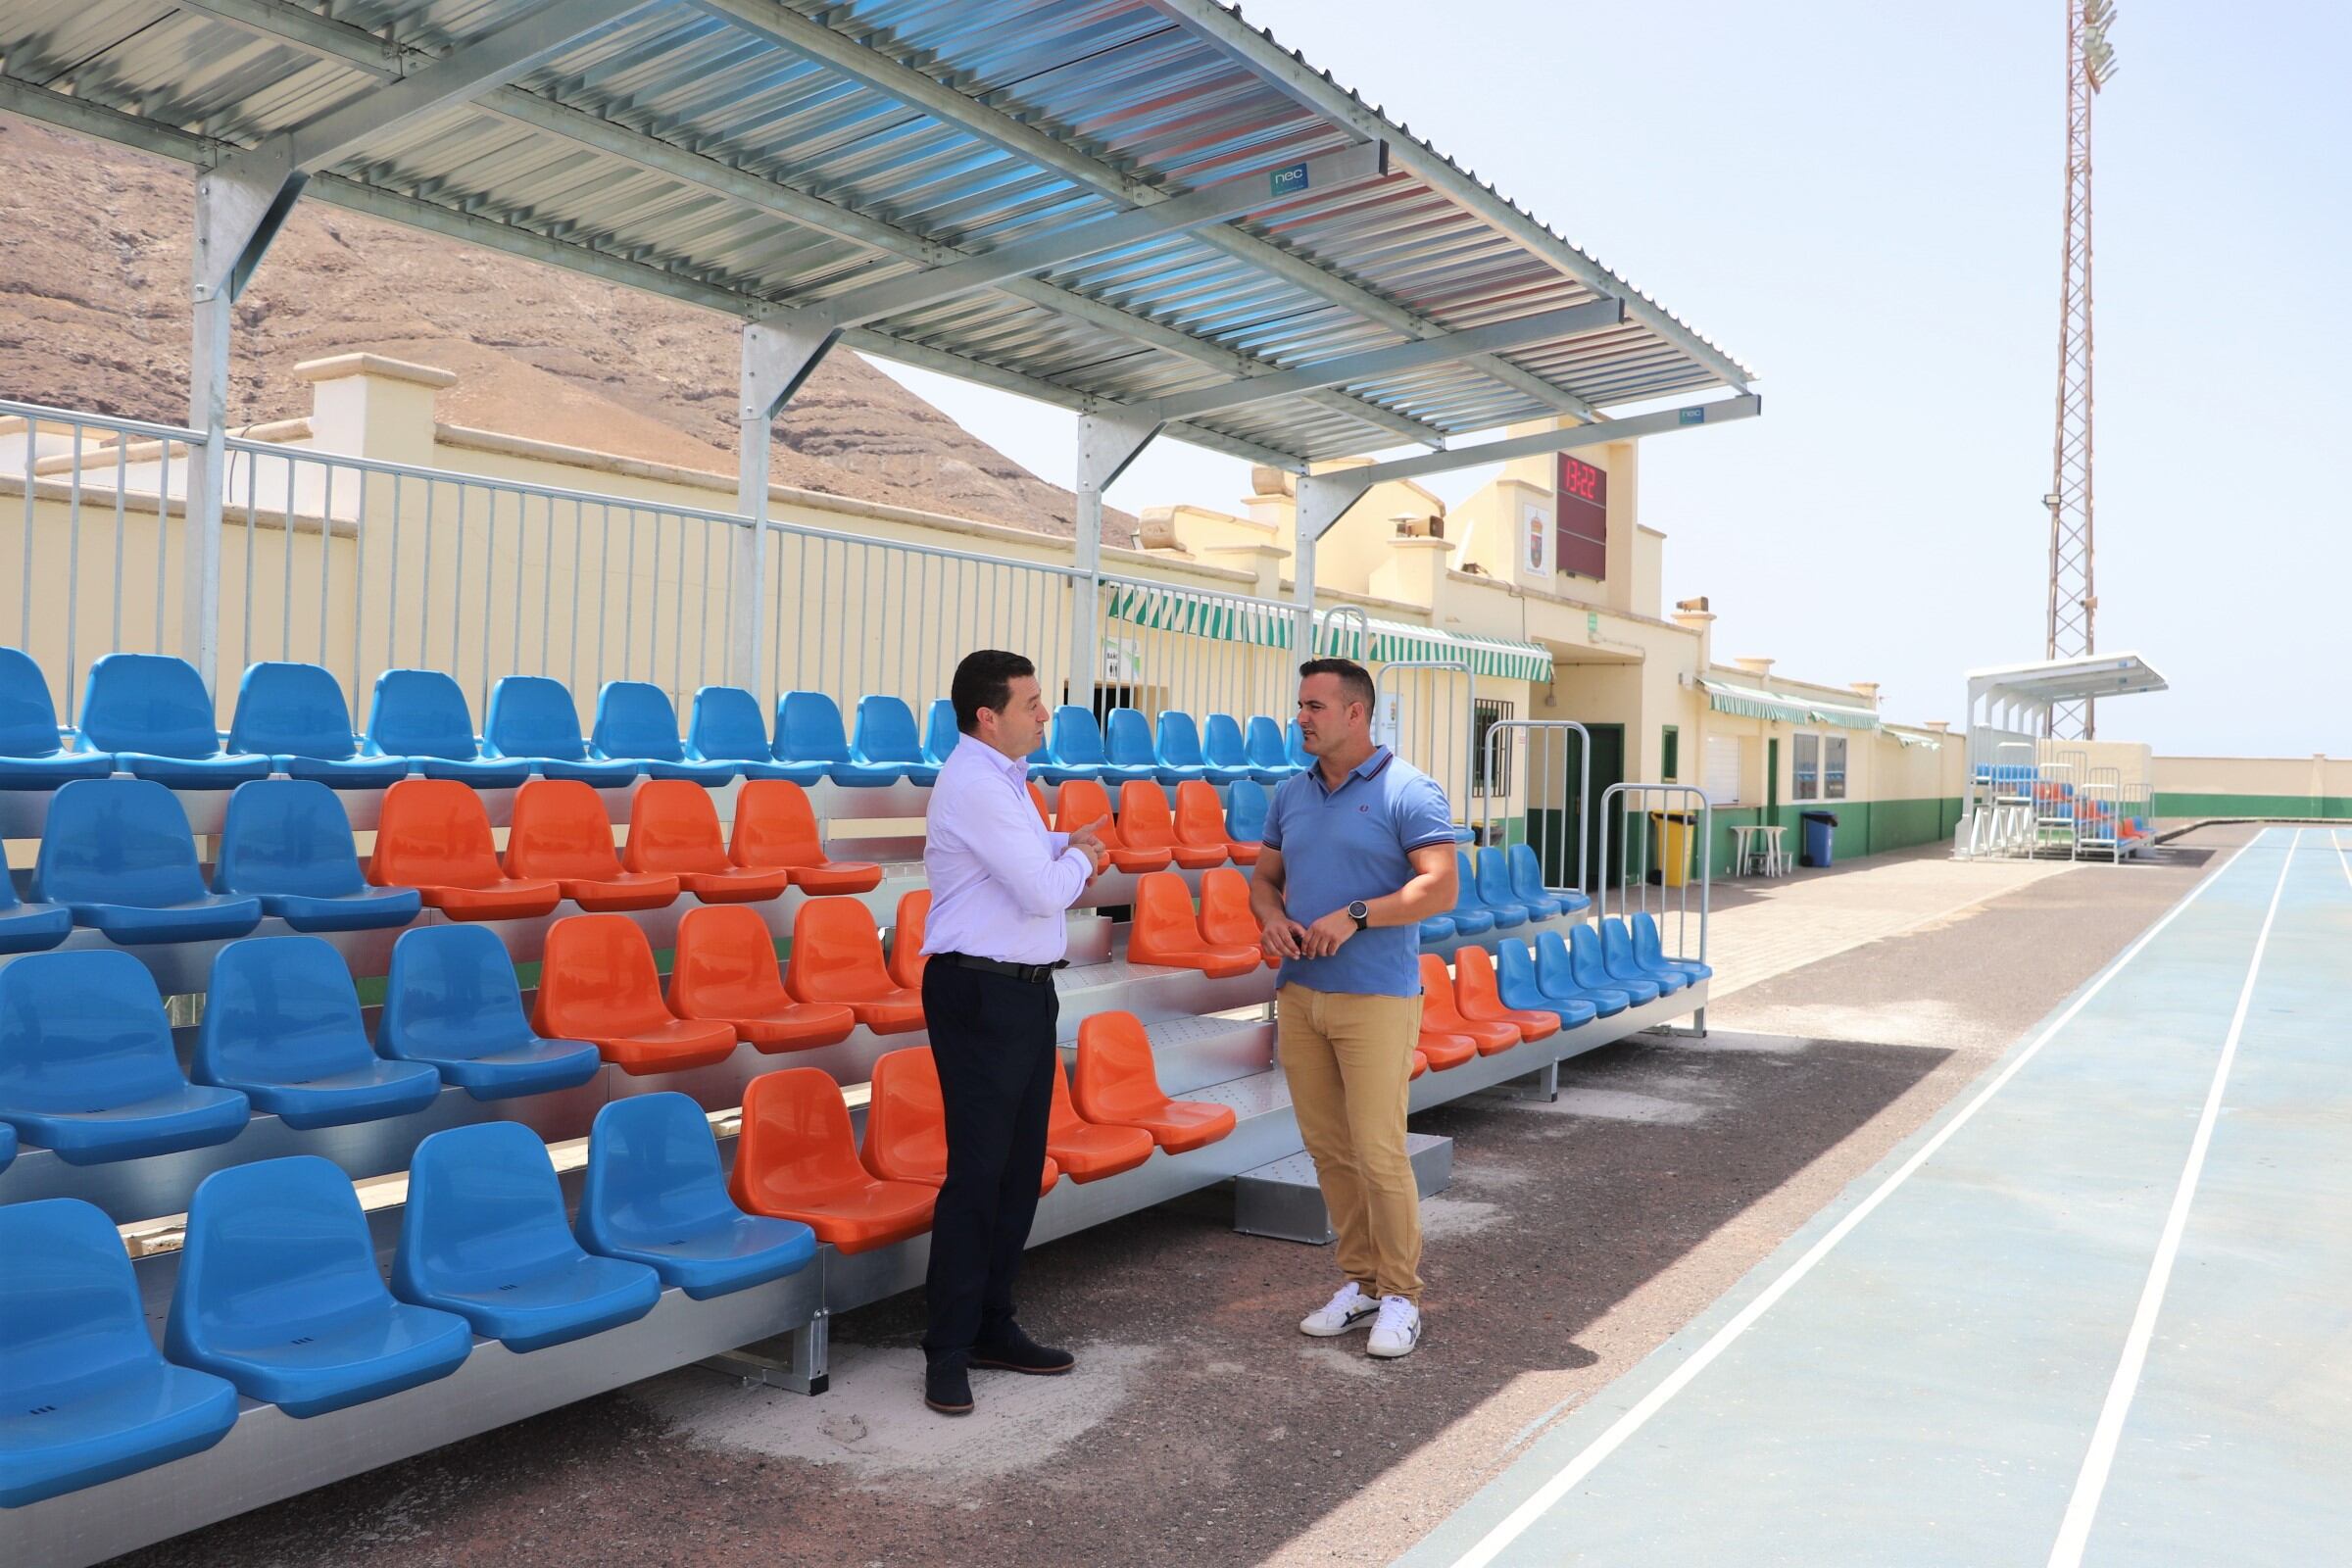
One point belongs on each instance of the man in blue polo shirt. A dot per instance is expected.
(1359, 850)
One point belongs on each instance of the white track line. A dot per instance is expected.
(1515, 1524)
(2074, 1532)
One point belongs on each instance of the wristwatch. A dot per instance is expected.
(1361, 914)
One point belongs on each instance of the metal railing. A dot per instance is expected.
(1634, 805)
(1535, 784)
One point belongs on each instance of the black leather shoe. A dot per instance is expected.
(947, 1386)
(1017, 1351)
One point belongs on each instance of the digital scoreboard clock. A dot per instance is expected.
(1582, 518)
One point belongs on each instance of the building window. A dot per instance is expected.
(1832, 768)
(1485, 714)
(1807, 782)
(1670, 754)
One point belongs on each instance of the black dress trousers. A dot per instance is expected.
(993, 1038)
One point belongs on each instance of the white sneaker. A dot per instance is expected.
(1397, 1330)
(1351, 1308)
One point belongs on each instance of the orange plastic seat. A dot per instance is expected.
(1145, 824)
(1443, 1049)
(673, 830)
(906, 956)
(1477, 998)
(598, 982)
(907, 1123)
(434, 836)
(726, 972)
(1087, 1151)
(798, 1160)
(1226, 920)
(837, 957)
(1037, 797)
(1166, 932)
(1116, 1087)
(774, 827)
(1200, 822)
(1083, 801)
(1420, 1066)
(1441, 1015)
(561, 830)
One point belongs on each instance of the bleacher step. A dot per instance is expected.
(1282, 1199)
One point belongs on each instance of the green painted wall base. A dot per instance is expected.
(2308, 808)
(1864, 827)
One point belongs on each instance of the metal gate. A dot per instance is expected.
(1536, 756)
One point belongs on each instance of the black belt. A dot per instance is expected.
(1036, 974)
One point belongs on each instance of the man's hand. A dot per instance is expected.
(1328, 935)
(1282, 938)
(1085, 839)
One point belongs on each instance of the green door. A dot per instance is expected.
(1772, 781)
(1553, 809)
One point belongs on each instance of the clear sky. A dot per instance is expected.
(1862, 201)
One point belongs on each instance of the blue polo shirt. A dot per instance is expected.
(1338, 846)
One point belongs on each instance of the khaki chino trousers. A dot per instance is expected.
(1348, 1059)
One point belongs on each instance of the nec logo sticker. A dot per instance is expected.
(1287, 181)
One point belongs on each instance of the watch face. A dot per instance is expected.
(1360, 911)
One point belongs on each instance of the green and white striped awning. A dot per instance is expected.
(1928, 741)
(1268, 625)
(1746, 702)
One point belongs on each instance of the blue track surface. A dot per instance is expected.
(2099, 1312)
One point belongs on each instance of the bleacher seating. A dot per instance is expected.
(940, 733)
(1075, 751)
(1083, 801)
(1200, 824)
(34, 755)
(278, 1292)
(674, 831)
(907, 1123)
(654, 1194)
(1268, 752)
(1476, 997)
(886, 738)
(726, 972)
(1444, 1051)
(725, 726)
(420, 717)
(808, 730)
(1495, 892)
(88, 1067)
(775, 829)
(1166, 931)
(1088, 1151)
(1527, 885)
(532, 719)
(1590, 963)
(88, 1395)
(1246, 808)
(1519, 985)
(29, 927)
(907, 961)
(597, 983)
(837, 957)
(1128, 744)
(1617, 954)
(1145, 824)
(1226, 920)
(289, 843)
(1116, 1086)
(1560, 977)
(1653, 952)
(297, 715)
(433, 835)
(1224, 751)
(118, 853)
(1469, 894)
(1181, 751)
(281, 1026)
(636, 723)
(452, 1003)
(560, 830)
(797, 1159)
(151, 710)
(484, 1235)
(1439, 1013)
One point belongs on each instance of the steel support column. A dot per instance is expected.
(1107, 445)
(777, 357)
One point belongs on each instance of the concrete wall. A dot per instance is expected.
(2317, 786)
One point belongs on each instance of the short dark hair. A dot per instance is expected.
(1355, 679)
(985, 680)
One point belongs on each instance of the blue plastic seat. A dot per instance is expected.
(420, 717)
(84, 1395)
(1127, 744)
(86, 1065)
(278, 1291)
(1556, 973)
(484, 1237)
(8, 1146)
(151, 710)
(281, 1026)
(1437, 927)
(655, 1194)
(1294, 747)
(1617, 954)
(118, 853)
(1080, 753)
(1222, 749)
(1527, 883)
(452, 1001)
(886, 738)
(1179, 750)
(940, 733)
(635, 722)
(808, 730)
(1590, 967)
(296, 715)
(1269, 752)
(532, 719)
(29, 927)
(34, 755)
(1246, 808)
(1519, 983)
(1495, 889)
(289, 843)
(726, 726)
(1468, 895)
(1653, 953)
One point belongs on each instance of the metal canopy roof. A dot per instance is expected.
(2065, 680)
(758, 156)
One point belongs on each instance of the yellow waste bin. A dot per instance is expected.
(1671, 833)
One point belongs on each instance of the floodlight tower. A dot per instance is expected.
(2073, 600)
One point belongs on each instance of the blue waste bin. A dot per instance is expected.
(1821, 827)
